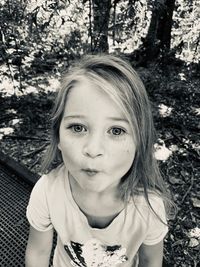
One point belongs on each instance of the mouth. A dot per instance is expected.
(90, 172)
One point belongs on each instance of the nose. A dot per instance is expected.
(93, 146)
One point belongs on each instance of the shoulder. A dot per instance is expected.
(45, 198)
(154, 198)
(54, 176)
(152, 208)
(47, 182)
(154, 215)
(156, 201)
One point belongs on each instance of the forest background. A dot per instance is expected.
(38, 41)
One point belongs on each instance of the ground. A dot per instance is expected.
(173, 89)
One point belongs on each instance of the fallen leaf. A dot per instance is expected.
(193, 242)
(195, 202)
(173, 180)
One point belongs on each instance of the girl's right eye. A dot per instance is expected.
(77, 128)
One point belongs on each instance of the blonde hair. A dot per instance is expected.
(121, 82)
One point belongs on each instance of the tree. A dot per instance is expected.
(165, 25)
(159, 33)
(101, 17)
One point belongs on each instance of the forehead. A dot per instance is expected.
(86, 96)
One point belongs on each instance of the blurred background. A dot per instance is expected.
(160, 38)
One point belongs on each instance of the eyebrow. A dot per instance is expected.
(83, 117)
(74, 117)
(118, 119)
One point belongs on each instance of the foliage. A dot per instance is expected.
(38, 36)
(186, 30)
(129, 24)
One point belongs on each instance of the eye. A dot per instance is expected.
(117, 131)
(77, 128)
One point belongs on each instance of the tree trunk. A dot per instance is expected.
(165, 25)
(159, 33)
(150, 40)
(90, 27)
(101, 16)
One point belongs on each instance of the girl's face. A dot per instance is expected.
(96, 140)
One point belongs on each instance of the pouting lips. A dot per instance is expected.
(90, 172)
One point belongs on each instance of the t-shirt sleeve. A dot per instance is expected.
(37, 210)
(157, 225)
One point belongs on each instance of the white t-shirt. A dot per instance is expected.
(51, 205)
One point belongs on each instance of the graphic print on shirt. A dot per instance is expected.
(94, 254)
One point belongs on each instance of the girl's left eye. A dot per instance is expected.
(117, 131)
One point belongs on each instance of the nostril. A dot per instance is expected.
(92, 154)
(93, 151)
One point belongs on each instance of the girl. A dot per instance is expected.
(105, 199)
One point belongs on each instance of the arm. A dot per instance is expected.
(38, 248)
(151, 256)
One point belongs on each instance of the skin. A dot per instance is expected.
(38, 249)
(151, 256)
(95, 135)
(98, 149)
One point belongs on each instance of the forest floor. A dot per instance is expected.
(174, 93)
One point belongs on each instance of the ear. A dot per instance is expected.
(59, 146)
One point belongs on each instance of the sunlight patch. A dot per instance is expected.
(11, 110)
(195, 232)
(161, 151)
(194, 235)
(182, 76)
(10, 87)
(196, 111)
(50, 85)
(7, 86)
(30, 89)
(53, 85)
(164, 110)
(173, 148)
(5, 131)
(196, 146)
(16, 121)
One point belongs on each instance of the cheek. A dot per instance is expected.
(69, 149)
(122, 163)
(127, 149)
(124, 156)
(128, 156)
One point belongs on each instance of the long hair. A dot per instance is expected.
(121, 82)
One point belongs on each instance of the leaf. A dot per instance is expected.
(173, 180)
(193, 242)
(195, 202)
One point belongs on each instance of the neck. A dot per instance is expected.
(111, 192)
(103, 203)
